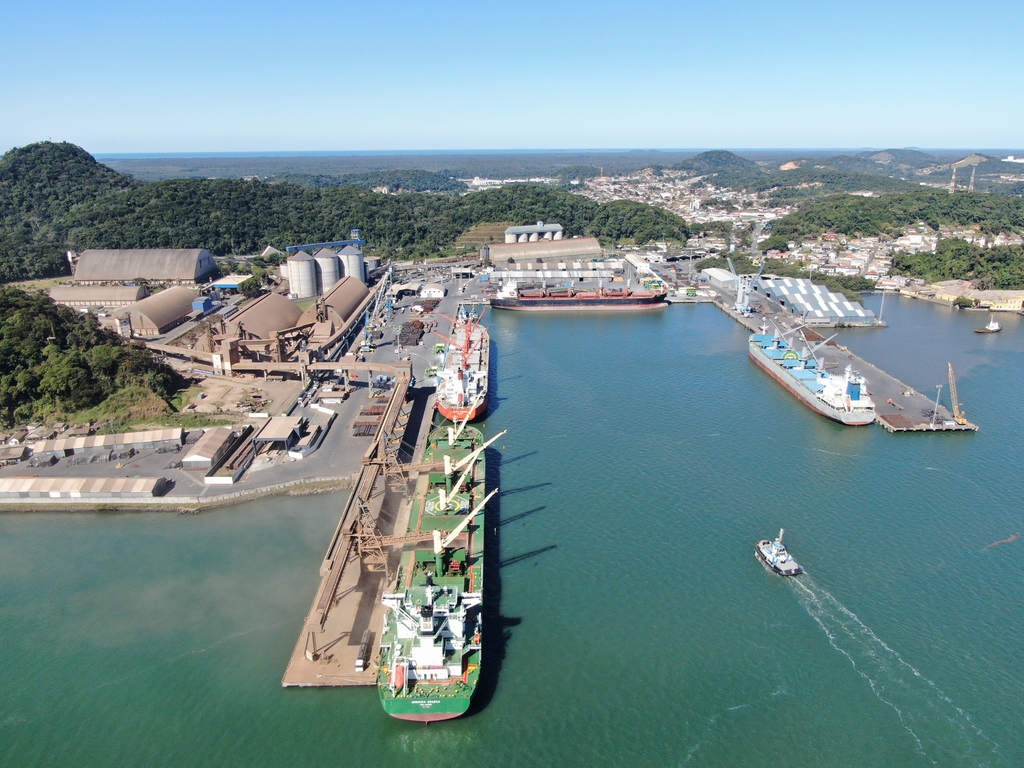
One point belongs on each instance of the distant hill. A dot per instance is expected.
(906, 158)
(395, 181)
(715, 161)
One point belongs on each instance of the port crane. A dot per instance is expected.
(743, 287)
(958, 415)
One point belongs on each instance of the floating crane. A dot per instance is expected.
(958, 415)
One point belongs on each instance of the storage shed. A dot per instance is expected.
(159, 313)
(269, 313)
(98, 295)
(173, 265)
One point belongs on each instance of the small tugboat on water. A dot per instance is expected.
(775, 557)
(992, 327)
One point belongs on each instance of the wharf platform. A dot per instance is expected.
(344, 622)
(898, 407)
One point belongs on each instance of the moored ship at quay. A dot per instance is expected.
(462, 379)
(840, 397)
(511, 296)
(431, 645)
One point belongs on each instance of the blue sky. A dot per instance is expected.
(223, 75)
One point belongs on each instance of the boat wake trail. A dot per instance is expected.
(943, 733)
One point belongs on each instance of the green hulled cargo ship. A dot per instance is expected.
(430, 650)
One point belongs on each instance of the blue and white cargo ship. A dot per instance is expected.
(840, 397)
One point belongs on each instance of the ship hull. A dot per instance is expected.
(549, 303)
(455, 413)
(807, 398)
(424, 677)
(427, 710)
(462, 385)
(793, 570)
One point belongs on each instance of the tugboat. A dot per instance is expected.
(775, 557)
(992, 327)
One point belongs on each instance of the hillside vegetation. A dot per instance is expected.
(55, 362)
(94, 207)
(1000, 268)
(889, 214)
(39, 184)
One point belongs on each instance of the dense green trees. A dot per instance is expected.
(889, 214)
(395, 181)
(230, 216)
(38, 185)
(54, 361)
(1000, 268)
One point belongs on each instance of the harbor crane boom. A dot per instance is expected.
(958, 416)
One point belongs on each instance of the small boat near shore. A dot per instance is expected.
(992, 327)
(775, 557)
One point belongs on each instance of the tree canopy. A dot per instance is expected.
(54, 361)
(234, 216)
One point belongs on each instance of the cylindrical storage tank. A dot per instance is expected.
(328, 269)
(371, 263)
(283, 266)
(301, 276)
(353, 260)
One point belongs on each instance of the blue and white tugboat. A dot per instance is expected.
(774, 555)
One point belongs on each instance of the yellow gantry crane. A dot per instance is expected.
(958, 415)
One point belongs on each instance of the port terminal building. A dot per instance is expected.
(813, 303)
(577, 258)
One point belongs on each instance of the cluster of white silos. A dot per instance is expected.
(316, 275)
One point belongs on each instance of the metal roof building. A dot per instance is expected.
(573, 248)
(210, 448)
(81, 487)
(230, 282)
(159, 313)
(269, 313)
(812, 302)
(98, 295)
(175, 265)
(281, 429)
(65, 446)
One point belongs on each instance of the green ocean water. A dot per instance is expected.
(645, 455)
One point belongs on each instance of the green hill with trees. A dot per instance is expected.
(55, 362)
(999, 268)
(39, 184)
(889, 214)
(94, 207)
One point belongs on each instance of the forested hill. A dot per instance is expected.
(889, 214)
(93, 207)
(55, 362)
(39, 184)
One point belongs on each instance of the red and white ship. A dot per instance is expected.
(462, 378)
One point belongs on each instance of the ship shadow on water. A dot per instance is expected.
(497, 627)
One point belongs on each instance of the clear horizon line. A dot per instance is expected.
(512, 151)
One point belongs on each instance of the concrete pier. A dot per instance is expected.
(898, 407)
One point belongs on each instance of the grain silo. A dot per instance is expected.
(301, 276)
(352, 257)
(328, 269)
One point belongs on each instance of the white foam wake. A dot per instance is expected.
(941, 730)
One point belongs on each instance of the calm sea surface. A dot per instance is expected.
(645, 455)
